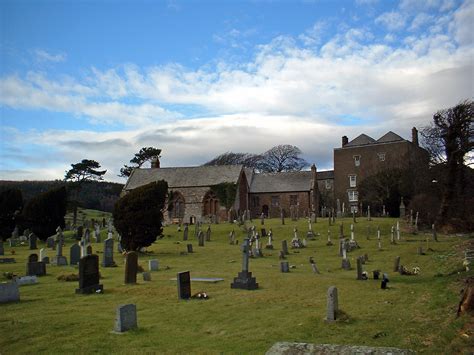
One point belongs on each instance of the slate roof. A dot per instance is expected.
(185, 177)
(362, 139)
(390, 137)
(286, 181)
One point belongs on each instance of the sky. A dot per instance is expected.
(101, 79)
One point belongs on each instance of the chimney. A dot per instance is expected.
(345, 140)
(414, 136)
(155, 162)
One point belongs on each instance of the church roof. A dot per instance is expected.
(286, 181)
(362, 139)
(185, 177)
(389, 137)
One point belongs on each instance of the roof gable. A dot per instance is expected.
(389, 137)
(362, 139)
(286, 181)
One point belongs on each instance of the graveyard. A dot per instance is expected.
(416, 312)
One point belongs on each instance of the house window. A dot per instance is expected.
(381, 156)
(275, 201)
(357, 160)
(328, 184)
(353, 195)
(255, 201)
(293, 200)
(352, 180)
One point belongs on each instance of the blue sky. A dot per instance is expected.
(101, 79)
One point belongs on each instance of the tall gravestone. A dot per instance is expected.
(59, 259)
(189, 248)
(332, 304)
(184, 285)
(32, 239)
(200, 239)
(208, 234)
(35, 267)
(359, 269)
(185, 232)
(131, 266)
(89, 276)
(74, 254)
(108, 257)
(396, 264)
(244, 280)
(284, 247)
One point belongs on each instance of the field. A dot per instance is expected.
(416, 312)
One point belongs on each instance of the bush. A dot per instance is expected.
(138, 216)
(45, 212)
(11, 202)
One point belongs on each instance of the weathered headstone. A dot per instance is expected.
(9, 292)
(50, 242)
(32, 241)
(284, 247)
(89, 276)
(329, 242)
(131, 267)
(190, 248)
(108, 257)
(184, 285)
(332, 304)
(35, 267)
(89, 250)
(282, 217)
(208, 234)
(200, 239)
(232, 237)
(359, 269)
(376, 274)
(282, 255)
(146, 276)
(244, 280)
(315, 268)
(153, 265)
(59, 259)
(74, 254)
(185, 232)
(385, 280)
(433, 229)
(396, 264)
(126, 318)
(284, 266)
(26, 280)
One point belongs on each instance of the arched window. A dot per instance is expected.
(176, 206)
(210, 204)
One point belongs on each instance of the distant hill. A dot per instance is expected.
(97, 195)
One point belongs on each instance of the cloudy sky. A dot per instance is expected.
(101, 79)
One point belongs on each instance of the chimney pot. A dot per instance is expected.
(345, 140)
(414, 136)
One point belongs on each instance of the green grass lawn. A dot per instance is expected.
(416, 312)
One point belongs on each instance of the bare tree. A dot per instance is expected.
(282, 158)
(229, 158)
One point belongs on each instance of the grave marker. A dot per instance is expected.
(284, 266)
(244, 280)
(284, 247)
(35, 267)
(126, 318)
(190, 248)
(153, 265)
(74, 254)
(32, 241)
(332, 304)
(89, 276)
(185, 232)
(184, 285)
(131, 267)
(9, 292)
(108, 257)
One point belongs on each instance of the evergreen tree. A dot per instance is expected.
(11, 202)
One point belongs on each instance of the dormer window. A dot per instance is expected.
(357, 160)
(381, 156)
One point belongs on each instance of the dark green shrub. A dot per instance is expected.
(11, 202)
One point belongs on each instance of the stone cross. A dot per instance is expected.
(244, 280)
(245, 255)
(332, 304)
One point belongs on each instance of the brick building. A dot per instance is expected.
(365, 156)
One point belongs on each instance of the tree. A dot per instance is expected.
(11, 203)
(246, 159)
(45, 212)
(145, 154)
(282, 158)
(138, 215)
(449, 139)
(86, 170)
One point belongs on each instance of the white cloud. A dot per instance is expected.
(45, 56)
(392, 20)
(420, 20)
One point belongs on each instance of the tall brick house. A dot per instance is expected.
(365, 156)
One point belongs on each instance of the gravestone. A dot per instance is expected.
(89, 276)
(262, 219)
(314, 268)
(208, 234)
(32, 241)
(359, 269)
(108, 257)
(126, 318)
(329, 242)
(200, 239)
(59, 259)
(346, 264)
(263, 232)
(2, 250)
(284, 266)
(89, 250)
(146, 276)
(79, 232)
(131, 266)
(185, 232)
(332, 304)
(244, 279)
(35, 267)
(87, 236)
(190, 248)
(284, 247)
(341, 231)
(232, 237)
(26, 280)
(396, 264)
(184, 285)
(9, 292)
(75, 254)
(385, 281)
(402, 208)
(433, 229)
(153, 265)
(420, 251)
(50, 242)
(43, 254)
(376, 274)
(282, 217)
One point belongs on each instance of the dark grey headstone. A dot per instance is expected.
(89, 276)
(35, 267)
(126, 318)
(200, 239)
(185, 232)
(359, 269)
(284, 247)
(284, 266)
(146, 276)
(75, 254)
(346, 264)
(131, 267)
(9, 292)
(32, 241)
(396, 264)
(108, 257)
(184, 285)
(190, 248)
(208, 234)
(332, 304)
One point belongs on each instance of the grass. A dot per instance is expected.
(416, 312)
